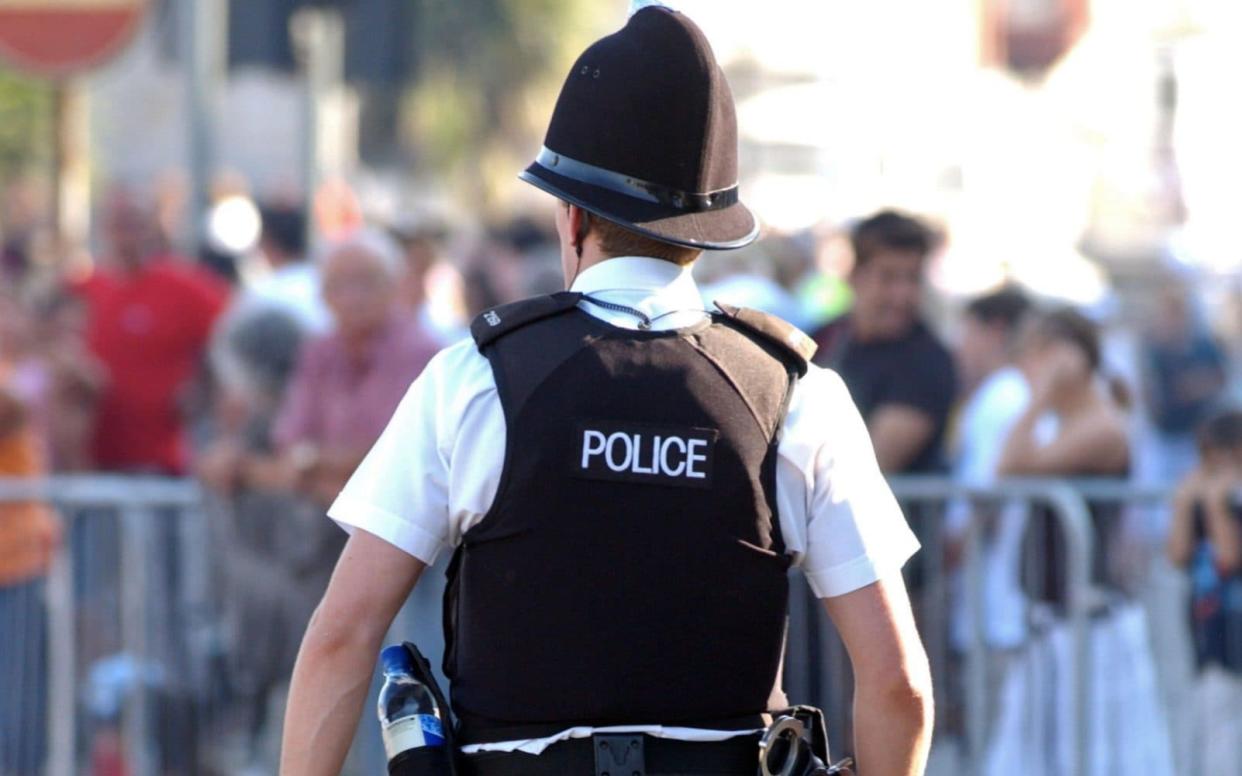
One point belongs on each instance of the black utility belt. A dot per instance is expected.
(794, 744)
(622, 754)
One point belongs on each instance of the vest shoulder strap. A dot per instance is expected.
(789, 339)
(491, 325)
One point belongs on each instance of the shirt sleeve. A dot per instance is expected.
(838, 514)
(434, 470)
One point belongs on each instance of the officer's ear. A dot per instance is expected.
(579, 226)
(584, 228)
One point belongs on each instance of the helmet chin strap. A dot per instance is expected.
(584, 226)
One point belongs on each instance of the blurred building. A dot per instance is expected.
(1050, 137)
(1062, 143)
(260, 119)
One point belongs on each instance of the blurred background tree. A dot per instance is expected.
(26, 138)
(485, 75)
(455, 92)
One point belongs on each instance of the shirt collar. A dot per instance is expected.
(640, 274)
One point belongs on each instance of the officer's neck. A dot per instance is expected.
(574, 267)
(574, 263)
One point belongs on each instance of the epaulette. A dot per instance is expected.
(491, 325)
(789, 338)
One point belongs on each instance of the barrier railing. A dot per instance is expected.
(1070, 510)
(1069, 504)
(136, 507)
(157, 531)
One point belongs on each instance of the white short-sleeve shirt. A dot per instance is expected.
(434, 472)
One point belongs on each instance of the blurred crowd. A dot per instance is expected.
(267, 376)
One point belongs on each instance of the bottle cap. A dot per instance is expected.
(396, 659)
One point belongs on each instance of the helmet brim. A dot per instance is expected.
(724, 229)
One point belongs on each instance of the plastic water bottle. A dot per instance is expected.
(409, 718)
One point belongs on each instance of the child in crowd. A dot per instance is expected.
(29, 537)
(29, 532)
(1206, 538)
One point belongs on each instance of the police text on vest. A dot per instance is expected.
(645, 453)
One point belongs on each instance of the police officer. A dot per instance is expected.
(623, 479)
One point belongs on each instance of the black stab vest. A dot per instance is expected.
(631, 569)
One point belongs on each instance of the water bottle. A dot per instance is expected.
(410, 720)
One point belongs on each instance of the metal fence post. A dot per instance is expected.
(977, 657)
(61, 666)
(1071, 510)
(935, 611)
(135, 548)
(194, 595)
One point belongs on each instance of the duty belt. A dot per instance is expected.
(623, 754)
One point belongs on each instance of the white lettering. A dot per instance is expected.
(588, 449)
(694, 458)
(681, 465)
(612, 445)
(626, 452)
(638, 466)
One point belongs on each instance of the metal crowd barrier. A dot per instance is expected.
(1071, 513)
(124, 538)
(135, 653)
(817, 668)
(150, 533)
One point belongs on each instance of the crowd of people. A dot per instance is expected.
(269, 385)
(1027, 390)
(265, 378)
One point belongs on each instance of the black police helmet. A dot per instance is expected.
(644, 134)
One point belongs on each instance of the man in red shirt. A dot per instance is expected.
(151, 315)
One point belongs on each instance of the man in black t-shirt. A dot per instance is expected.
(898, 372)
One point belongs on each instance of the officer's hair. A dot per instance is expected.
(893, 231)
(371, 241)
(615, 240)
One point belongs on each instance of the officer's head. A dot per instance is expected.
(360, 281)
(890, 250)
(642, 147)
(586, 239)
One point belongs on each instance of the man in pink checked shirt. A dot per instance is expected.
(347, 383)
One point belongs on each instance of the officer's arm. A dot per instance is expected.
(337, 659)
(892, 681)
